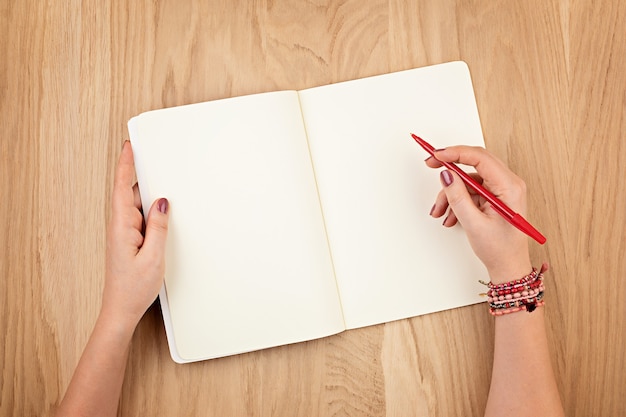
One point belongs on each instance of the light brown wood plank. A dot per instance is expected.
(595, 327)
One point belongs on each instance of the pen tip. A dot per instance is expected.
(419, 140)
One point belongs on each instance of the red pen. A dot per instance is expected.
(512, 217)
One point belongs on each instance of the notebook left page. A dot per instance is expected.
(247, 261)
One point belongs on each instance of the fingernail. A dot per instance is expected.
(124, 143)
(440, 149)
(425, 160)
(445, 220)
(446, 177)
(162, 205)
(432, 209)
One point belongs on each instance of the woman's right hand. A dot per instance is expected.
(501, 247)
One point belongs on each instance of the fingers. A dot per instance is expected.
(457, 197)
(124, 177)
(137, 197)
(433, 162)
(441, 202)
(450, 219)
(487, 166)
(125, 172)
(441, 205)
(156, 231)
(494, 175)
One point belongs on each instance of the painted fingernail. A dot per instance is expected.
(425, 160)
(446, 177)
(162, 205)
(432, 209)
(445, 220)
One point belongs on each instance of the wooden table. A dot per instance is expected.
(550, 84)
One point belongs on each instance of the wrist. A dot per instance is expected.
(510, 271)
(525, 293)
(122, 325)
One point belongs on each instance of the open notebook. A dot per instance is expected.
(300, 214)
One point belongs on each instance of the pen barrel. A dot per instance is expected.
(523, 225)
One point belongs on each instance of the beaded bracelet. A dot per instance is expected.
(525, 293)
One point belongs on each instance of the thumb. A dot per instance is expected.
(459, 199)
(156, 229)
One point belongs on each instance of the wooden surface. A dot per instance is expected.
(550, 84)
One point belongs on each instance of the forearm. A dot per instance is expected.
(135, 265)
(522, 382)
(97, 382)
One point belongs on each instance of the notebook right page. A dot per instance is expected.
(392, 260)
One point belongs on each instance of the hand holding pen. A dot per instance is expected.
(502, 248)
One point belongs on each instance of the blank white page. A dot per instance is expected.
(248, 264)
(392, 260)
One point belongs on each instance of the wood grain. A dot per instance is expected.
(550, 87)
